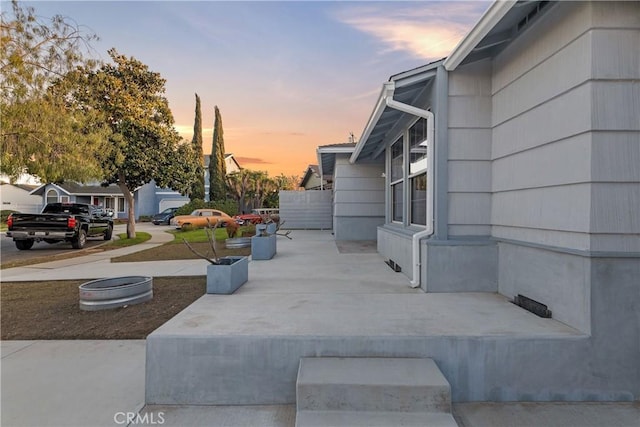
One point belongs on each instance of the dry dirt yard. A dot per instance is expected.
(50, 310)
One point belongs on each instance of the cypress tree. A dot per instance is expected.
(197, 189)
(217, 167)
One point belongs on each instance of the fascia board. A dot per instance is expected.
(489, 19)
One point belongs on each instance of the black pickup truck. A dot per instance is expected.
(70, 222)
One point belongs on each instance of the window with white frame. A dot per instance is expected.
(397, 180)
(109, 203)
(52, 196)
(120, 204)
(418, 172)
(65, 199)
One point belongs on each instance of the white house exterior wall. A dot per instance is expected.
(19, 199)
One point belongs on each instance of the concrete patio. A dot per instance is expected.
(314, 300)
(325, 299)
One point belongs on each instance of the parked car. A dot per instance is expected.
(257, 216)
(201, 218)
(164, 217)
(250, 218)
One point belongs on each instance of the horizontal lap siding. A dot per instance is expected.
(469, 167)
(615, 216)
(306, 209)
(358, 200)
(541, 117)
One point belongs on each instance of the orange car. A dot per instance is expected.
(199, 217)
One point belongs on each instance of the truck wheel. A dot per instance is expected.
(79, 241)
(24, 245)
(109, 233)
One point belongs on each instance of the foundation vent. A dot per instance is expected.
(533, 306)
(395, 267)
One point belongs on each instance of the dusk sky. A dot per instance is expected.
(287, 76)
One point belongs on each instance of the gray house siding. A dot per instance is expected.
(358, 199)
(566, 149)
(469, 166)
(310, 210)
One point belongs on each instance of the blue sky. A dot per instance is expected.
(287, 76)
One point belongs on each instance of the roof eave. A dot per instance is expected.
(489, 19)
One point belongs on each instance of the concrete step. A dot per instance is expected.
(373, 419)
(371, 384)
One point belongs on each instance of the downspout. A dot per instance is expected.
(428, 231)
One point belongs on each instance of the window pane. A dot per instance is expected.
(396, 160)
(120, 204)
(418, 146)
(52, 196)
(419, 199)
(397, 190)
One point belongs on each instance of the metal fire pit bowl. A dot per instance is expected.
(115, 292)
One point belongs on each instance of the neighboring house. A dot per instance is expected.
(18, 197)
(512, 166)
(231, 165)
(149, 199)
(312, 180)
(109, 197)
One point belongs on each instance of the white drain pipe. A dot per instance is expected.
(419, 112)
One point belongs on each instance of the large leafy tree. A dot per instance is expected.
(239, 185)
(197, 190)
(41, 133)
(217, 166)
(143, 144)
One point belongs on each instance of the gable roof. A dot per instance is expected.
(311, 171)
(74, 188)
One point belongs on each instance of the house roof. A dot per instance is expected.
(82, 189)
(327, 156)
(409, 87)
(25, 187)
(311, 170)
(502, 22)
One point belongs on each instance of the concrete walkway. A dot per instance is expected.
(101, 383)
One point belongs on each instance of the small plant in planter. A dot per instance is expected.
(224, 274)
(263, 244)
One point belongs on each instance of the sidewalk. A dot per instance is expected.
(98, 265)
(102, 382)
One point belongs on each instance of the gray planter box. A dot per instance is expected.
(227, 277)
(263, 247)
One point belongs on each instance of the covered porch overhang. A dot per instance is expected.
(327, 156)
(411, 88)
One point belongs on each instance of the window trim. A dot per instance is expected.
(392, 183)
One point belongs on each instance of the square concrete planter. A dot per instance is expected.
(225, 278)
(263, 247)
